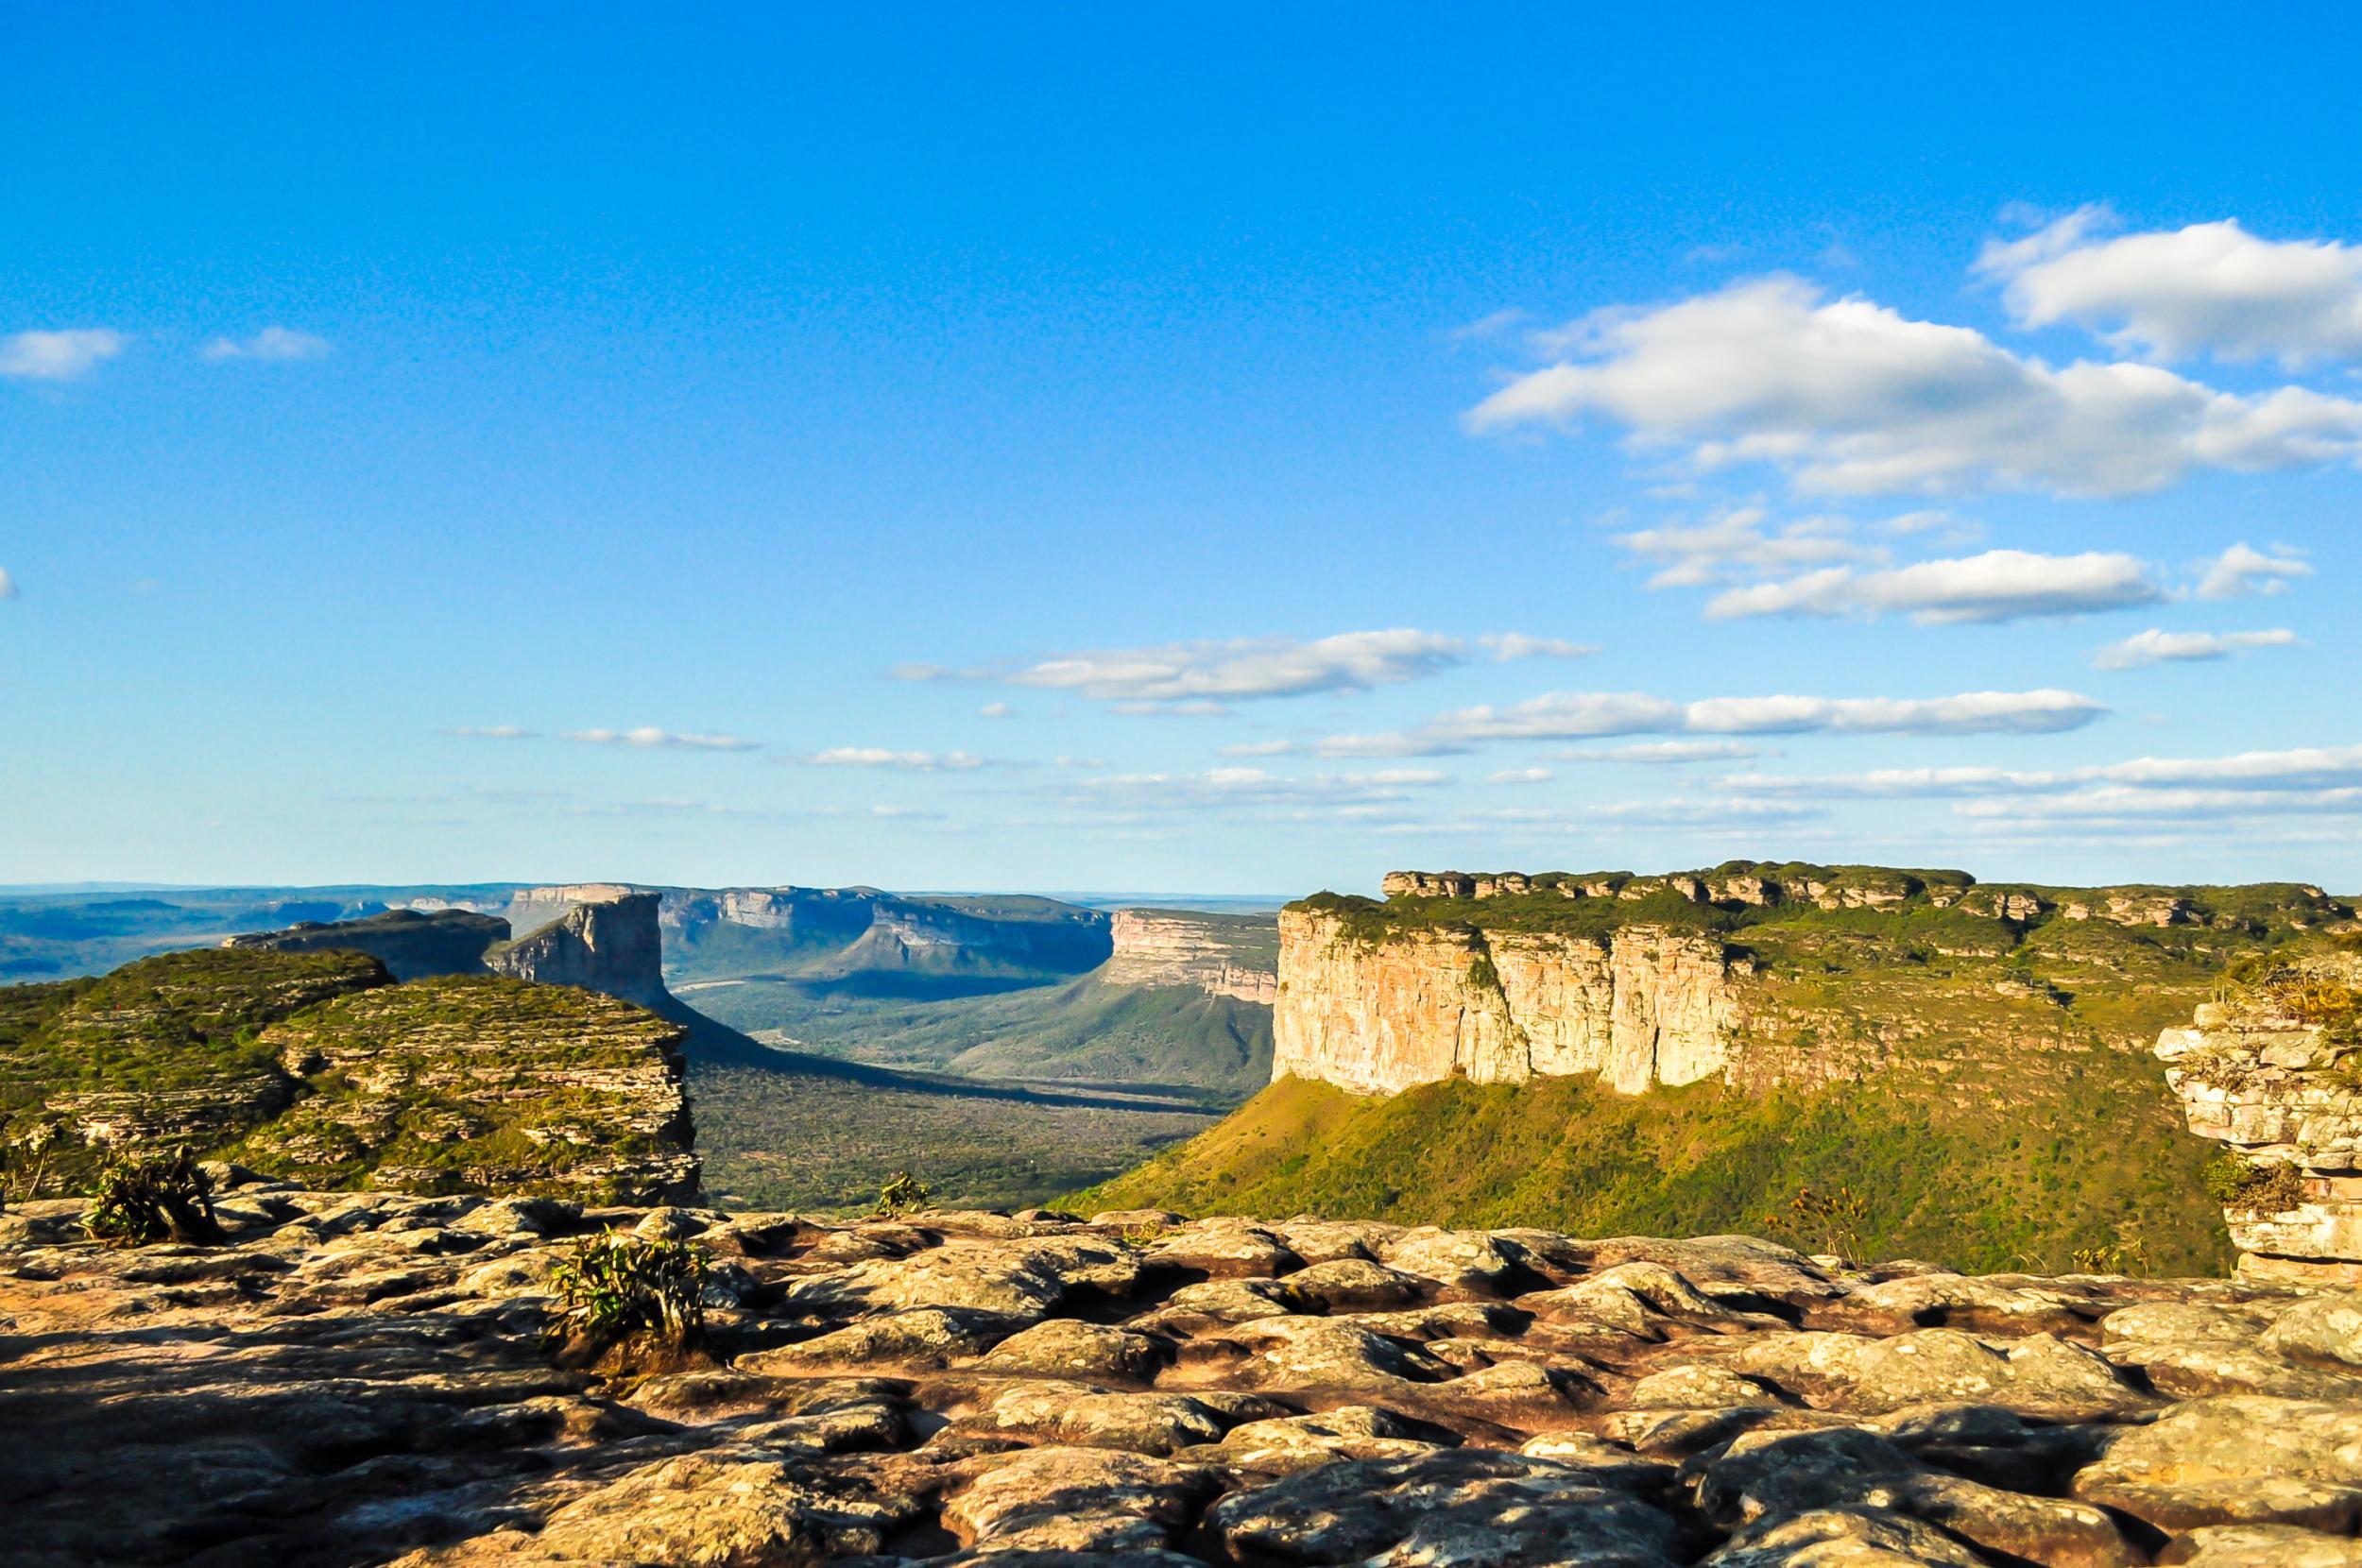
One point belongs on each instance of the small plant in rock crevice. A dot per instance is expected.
(613, 1288)
(140, 1199)
(1830, 1221)
(2248, 1188)
(902, 1193)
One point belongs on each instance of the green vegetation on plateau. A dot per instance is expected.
(314, 1066)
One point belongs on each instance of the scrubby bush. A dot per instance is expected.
(615, 1287)
(2248, 1188)
(146, 1198)
(902, 1192)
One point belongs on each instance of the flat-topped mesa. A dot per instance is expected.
(2273, 1069)
(411, 943)
(611, 943)
(1158, 947)
(1722, 972)
(1644, 1005)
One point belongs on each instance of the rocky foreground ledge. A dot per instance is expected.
(361, 1378)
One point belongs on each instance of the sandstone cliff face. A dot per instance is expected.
(611, 945)
(2274, 1070)
(1643, 1006)
(1159, 948)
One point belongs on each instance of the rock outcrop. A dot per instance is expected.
(363, 1378)
(410, 943)
(1644, 1005)
(1162, 947)
(316, 1067)
(2273, 1069)
(610, 944)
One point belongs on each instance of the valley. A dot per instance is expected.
(1007, 1048)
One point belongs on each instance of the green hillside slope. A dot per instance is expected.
(2101, 1166)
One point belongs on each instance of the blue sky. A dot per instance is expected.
(1175, 448)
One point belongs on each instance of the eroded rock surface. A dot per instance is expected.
(361, 1378)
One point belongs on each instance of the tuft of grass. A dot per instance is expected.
(140, 1199)
(611, 1288)
(902, 1193)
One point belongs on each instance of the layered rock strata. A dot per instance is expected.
(1645, 1005)
(2274, 1070)
(1159, 948)
(362, 1378)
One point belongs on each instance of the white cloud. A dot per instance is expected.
(58, 355)
(1522, 776)
(1248, 667)
(1999, 584)
(1660, 752)
(2173, 293)
(997, 710)
(1260, 748)
(1850, 396)
(1485, 328)
(494, 732)
(1576, 715)
(2241, 570)
(2157, 647)
(1736, 543)
(7, 586)
(2297, 772)
(1200, 677)
(276, 344)
(1227, 789)
(650, 738)
(1508, 645)
(902, 762)
(2119, 802)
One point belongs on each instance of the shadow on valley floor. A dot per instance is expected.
(783, 1128)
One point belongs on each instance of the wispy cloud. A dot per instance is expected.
(1485, 329)
(1999, 584)
(1228, 789)
(493, 732)
(1206, 676)
(2158, 647)
(652, 739)
(2308, 778)
(66, 355)
(1846, 395)
(2209, 288)
(273, 344)
(900, 762)
(1578, 715)
(1740, 543)
(1658, 754)
(7, 586)
(2241, 570)
(1511, 645)
(1522, 776)
(995, 710)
